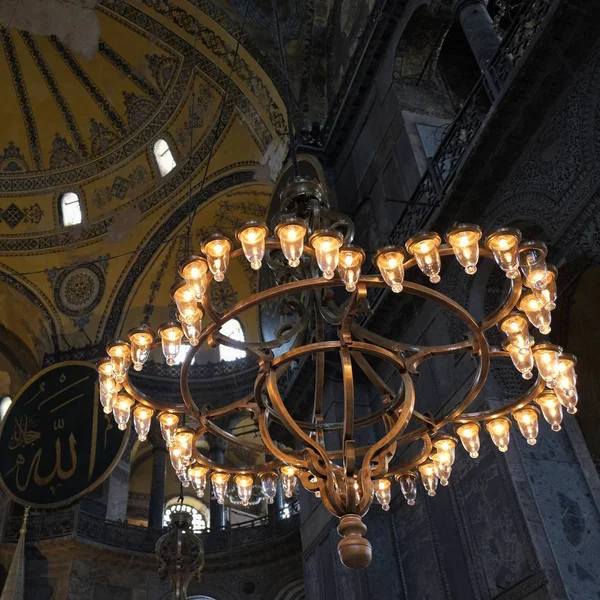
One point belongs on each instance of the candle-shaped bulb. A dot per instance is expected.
(169, 422)
(243, 484)
(464, 240)
(170, 335)
(499, 430)
(122, 410)
(291, 234)
(408, 486)
(424, 247)
(142, 418)
(268, 484)
(390, 262)
(469, 436)
(219, 482)
(288, 480)
(326, 244)
(141, 340)
(217, 249)
(252, 236)
(351, 260)
(194, 271)
(383, 491)
(504, 245)
(527, 420)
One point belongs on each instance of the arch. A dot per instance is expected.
(163, 156)
(233, 329)
(199, 511)
(71, 212)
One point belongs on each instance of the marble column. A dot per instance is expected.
(218, 512)
(157, 490)
(479, 30)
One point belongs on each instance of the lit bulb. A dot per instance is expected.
(383, 491)
(122, 410)
(516, 328)
(219, 482)
(546, 361)
(217, 249)
(428, 477)
(464, 240)
(197, 477)
(408, 486)
(184, 438)
(327, 244)
(443, 466)
(568, 397)
(536, 313)
(351, 260)
(195, 272)
(551, 408)
(565, 386)
(170, 335)
(447, 445)
(268, 484)
(184, 478)
(547, 296)
(142, 418)
(186, 302)
(106, 377)
(424, 247)
(527, 420)
(499, 430)
(177, 459)
(107, 399)
(532, 258)
(504, 245)
(390, 262)
(291, 233)
(252, 236)
(288, 480)
(120, 356)
(244, 488)
(169, 423)
(192, 332)
(469, 436)
(522, 359)
(141, 340)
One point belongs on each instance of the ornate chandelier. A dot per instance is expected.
(309, 248)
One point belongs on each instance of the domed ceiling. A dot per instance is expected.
(88, 125)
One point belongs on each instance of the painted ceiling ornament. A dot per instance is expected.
(12, 160)
(78, 291)
(63, 154)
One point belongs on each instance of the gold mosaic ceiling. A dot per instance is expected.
(72, 124)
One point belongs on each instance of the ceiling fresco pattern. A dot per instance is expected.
(89, 125)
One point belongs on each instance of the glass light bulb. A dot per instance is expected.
(120, 356)
(499, 430)
(122, 410)
(546, 360)
(177, 458)
(106, 377)
(551, 408)
(197, 476)
(566, 370)
(527, 420)
(169, 423)
(428, 477)
(107, 399)
(408, 486)
(390, 262)
(217, 249)
(171, 335)
(383, 492)
(192, 332)
(219, 482)
(142, 418)
(291, 234)
(516, 328)
(447, 445)
(469, 436)
(327, 244)
(532, 259)
(504, 245)
(548, 295)
(184, 478)
(424, 247)
(464, 240)
(252, 236)
(351, 260)
(522, 359)
(268, 484)
(288, 480)
(184, 438)
(243, 484)
(443, 466)
(141, 340)
(536, 312)
(195, 272)
(186, 302)
(567, 396)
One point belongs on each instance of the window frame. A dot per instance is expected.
(241, 353)
(61, 210)
(157, 157)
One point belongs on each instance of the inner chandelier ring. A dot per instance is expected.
(310, 245)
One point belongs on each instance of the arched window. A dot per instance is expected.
(70, 209)
(164, 157)
(232, 329)
(4, 406)
(198, 522)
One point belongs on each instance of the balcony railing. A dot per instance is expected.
(77, 524)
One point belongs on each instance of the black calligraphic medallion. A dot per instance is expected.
(56, 443)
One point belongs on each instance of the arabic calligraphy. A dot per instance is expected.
(22, 435)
